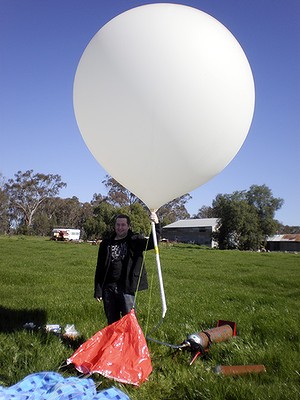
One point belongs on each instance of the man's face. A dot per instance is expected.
(121, 228)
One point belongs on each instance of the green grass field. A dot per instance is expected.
(48, 282)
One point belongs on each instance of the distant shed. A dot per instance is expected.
(198, 231)
(287, 242)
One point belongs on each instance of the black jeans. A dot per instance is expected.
(116, 303)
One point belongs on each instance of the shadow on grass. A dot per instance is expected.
(12, 320)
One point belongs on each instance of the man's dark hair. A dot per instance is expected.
(123, 216)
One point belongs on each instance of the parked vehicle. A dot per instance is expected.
(65, 234)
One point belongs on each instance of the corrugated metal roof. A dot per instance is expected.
(193, 223)
(288, 237)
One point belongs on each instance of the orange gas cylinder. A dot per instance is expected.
(200, 342)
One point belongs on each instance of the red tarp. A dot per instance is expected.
(119, 351)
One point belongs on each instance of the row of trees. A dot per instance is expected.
(29, 204)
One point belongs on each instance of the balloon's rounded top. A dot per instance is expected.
(164, 99)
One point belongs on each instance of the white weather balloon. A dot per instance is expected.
(164, 99)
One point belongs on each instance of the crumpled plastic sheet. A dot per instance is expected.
(53, 386)
(119, 351)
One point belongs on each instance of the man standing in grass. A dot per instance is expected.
(120, 271)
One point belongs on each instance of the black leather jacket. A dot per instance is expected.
(131, 265)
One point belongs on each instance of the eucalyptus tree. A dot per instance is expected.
(119, 196)
(205, 212)
(261, 198)
(174, 210)
(26, 193)
(246, 218)
(4, 217)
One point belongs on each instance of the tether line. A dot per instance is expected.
(151, 285)
(141, 270)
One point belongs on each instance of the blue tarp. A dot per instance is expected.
(53, 386)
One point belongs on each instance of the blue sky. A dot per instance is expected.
(41, 42)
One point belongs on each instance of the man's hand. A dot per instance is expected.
(99, 299)
(153, 217)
